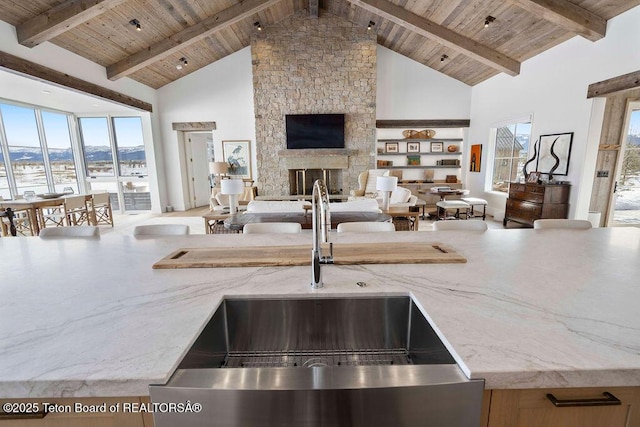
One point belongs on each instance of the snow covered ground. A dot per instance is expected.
(627, 210)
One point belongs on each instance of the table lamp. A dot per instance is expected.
(232, 187)
(386, 184)
(218, 169)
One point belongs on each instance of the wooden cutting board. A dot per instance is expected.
(343, 253)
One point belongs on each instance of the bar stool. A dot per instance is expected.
(458, 205)
(474, 201)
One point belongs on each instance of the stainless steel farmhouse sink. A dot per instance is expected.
(366, 361)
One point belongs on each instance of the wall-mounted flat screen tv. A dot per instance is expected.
(315, 131)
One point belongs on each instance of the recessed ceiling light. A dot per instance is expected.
(136, 24)
(370, 26)
(257, 25)
(488, 20)
(443, 57)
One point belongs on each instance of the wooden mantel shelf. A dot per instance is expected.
(442, 123)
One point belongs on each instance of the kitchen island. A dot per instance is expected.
(529, 309)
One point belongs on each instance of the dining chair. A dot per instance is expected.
(365, 227)
(76, 210)
(83, 231)
(471, 225)
(272, 227)
(21, 221)
(159, 230)
(575, 224)
(101, 212)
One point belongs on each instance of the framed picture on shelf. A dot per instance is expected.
(391, 147)
(437, 147)
(533, 177)
(413, 147)
(238, 155)
(554, 152)
(413, 160)
(380, 150)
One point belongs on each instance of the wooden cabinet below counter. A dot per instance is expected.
(595, 407)
(529, 202)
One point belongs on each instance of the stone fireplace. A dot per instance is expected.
(306, 65)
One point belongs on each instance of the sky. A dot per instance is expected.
(634, 124)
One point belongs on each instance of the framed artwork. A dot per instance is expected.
(475, 158)
(238, 155)
(391, 147)
(413, 160)
(413, 147)
(437, 147)
(533, 177)
(554, 151)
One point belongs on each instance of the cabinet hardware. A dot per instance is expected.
(608, 400)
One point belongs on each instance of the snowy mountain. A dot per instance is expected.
(93, 154)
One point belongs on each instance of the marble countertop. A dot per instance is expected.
(530, 308)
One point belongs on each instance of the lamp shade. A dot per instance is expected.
(386, 183)
(231, 186)
(218, 167)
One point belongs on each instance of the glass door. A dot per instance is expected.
(626, 209)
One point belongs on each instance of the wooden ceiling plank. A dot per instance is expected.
(24, 67)
(60, 19)
(567, 15)
(614, 85)
(186, 37)
(453, 40)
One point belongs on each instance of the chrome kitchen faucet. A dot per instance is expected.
(321, 220)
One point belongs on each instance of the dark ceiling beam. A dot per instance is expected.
(61, 18)
(614, 85)
(442, 35)
(314, 8)
(567, 15)
(36, 71)
(186, 37)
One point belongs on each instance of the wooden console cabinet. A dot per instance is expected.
(529, 202)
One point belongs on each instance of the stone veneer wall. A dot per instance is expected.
(306, 65)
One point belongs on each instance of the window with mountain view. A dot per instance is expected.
(25, 149)
(58, 142)
(130, 143)
(96, 142)
(511, 146)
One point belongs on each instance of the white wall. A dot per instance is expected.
(221, 92)
(553, 87)
(409, 90)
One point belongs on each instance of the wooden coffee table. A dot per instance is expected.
(213, 222)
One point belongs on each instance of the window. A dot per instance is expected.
(35, 151)
(58, 140)
(115, 160)
(25, 151)
(511, 145)
(96, 141)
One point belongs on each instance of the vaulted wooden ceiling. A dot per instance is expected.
(447, 35)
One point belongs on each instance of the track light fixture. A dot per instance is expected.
(443, 57)
(136, 24)
(183, 63)
(370, 26)
(488, 20)
(257, 25)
